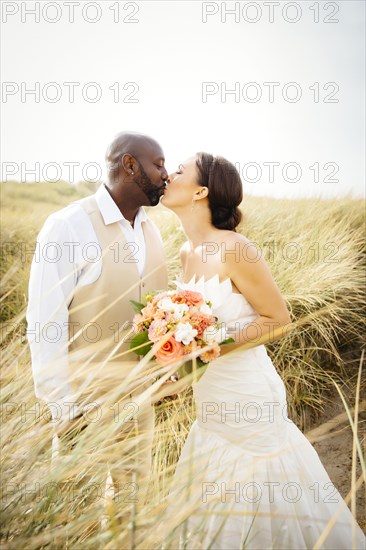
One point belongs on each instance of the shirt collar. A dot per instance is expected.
(110, 211)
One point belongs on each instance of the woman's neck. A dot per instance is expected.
(197, 226)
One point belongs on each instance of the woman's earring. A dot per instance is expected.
(132, 172)
(193, 205)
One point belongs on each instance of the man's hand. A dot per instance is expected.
(171, 388)
(167, 391)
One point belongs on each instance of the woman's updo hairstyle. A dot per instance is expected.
(225, 189)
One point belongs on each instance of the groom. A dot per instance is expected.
(92, 257)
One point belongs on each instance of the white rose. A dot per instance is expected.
(185, 333)
(166, 304)
(214, 334)
(179, 310)
(206, 309)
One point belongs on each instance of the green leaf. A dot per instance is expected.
(200, 363)
(186, 369)
(140, 339)
(227, 341)
(137, 307)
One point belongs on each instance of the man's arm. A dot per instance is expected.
(52, 280)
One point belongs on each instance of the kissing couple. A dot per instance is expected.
(109, 255)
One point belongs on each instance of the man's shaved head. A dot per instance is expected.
(136, 172)
(132, 143)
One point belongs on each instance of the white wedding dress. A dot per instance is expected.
(247, 477)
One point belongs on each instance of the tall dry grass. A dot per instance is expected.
(322, 278)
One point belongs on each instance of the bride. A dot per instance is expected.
(247, 477)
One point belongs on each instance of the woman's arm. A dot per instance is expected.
(253, 278)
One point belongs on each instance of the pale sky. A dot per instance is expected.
(169, 53)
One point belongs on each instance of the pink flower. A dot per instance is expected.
(168, 353)
(200, 321)
(211, 354)
(160, 314)
(138, 321)
(189, 348)
(169, 317)
(157, 329)
(148, 311)
(160, 296)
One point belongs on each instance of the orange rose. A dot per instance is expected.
(169, 352)
(189, 297)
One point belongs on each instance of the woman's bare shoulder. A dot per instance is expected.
(234, 237)
(184, 247)
(183, 251)
(239, 251)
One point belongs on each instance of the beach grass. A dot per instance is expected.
(316, 251)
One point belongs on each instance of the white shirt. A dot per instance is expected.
(67, 255)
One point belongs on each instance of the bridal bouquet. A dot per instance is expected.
(183, 321)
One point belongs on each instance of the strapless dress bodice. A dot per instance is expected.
(228, 306)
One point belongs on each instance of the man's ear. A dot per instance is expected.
(129, 163)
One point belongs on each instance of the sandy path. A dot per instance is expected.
(335, 451)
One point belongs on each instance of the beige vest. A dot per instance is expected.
(100, 314)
